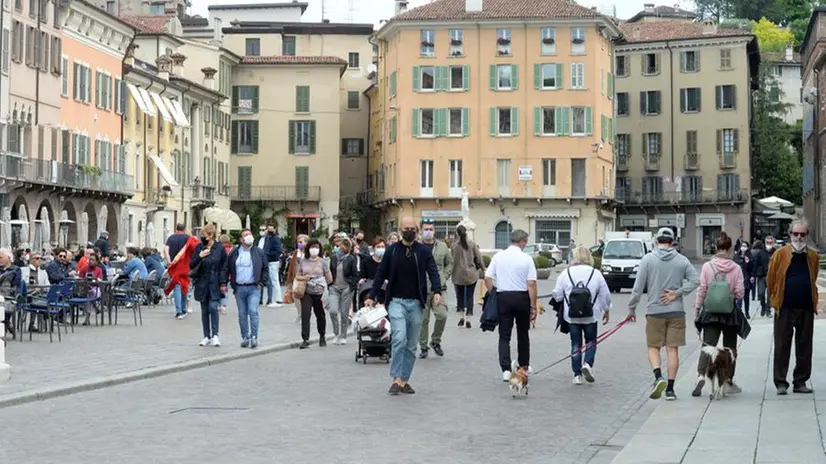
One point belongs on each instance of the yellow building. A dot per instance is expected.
(512, 101)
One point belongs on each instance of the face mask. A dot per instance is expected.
(248, 240)
(379, 252)
(335, 249)
(409, 235)
(359, 239)
(204, 241)
(314, 252)
(427, 235)
(744, 248)
(300, 246)
(263, 233)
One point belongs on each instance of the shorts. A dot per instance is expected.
(665, 331)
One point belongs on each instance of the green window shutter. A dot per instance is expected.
(537, 76)
(492, 123)
(566, 120)
(417, 79)
(298, 99)
(234, 99)
(302, 181)
(610, 85)
(514, 120)
(445, 77)
(514, 76)
(465, 77)
(234, 138)
(537, 120)
(493, 77)
(393, 83)
(444, 118)
(393, 129)
(589, 121)
(437, 122)
(292, 137)
(560, 76)
(415, 122)
(603, 127)
(254, 131)
(438, 79)
(559, 128)
(255, 96)
(312, 137)
(465, 122)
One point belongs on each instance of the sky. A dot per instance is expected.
(373, 11)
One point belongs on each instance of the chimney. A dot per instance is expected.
(209, 77)
(145, 6)
(648, 8)
(709, 27)
(401, 6)
(473, 6)
(178, 64)
(789, 52)
(216, 31)
(164, 64)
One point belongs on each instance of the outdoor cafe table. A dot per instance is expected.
(107, 297)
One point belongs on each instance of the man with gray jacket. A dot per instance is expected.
(444, 263)
(668, 276)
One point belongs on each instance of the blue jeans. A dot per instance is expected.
(247, 297)
(180, 301)
(405, 327)
(210, 318)
(576, 332)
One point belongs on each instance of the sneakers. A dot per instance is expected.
(423, 353)
(734, 389)
(506, 376)
(658, 388)
(180, 316)
(304, 345)
(395, 389)
(335, 340)
(670, 395)
(274, 305)
(407, 389)
(205, 342)
(587, 373)
(322, 341)
(245, 343)
(342, 341)
(698, 386)
(437, 348)
(215, 341)
(530, 370)
(254, 342)
(577, 380)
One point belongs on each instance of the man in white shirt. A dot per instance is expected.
(512, 274)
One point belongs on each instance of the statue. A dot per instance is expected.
(465, 205)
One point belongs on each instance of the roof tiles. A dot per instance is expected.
(149, 24)
(656, 31)
(498, 9)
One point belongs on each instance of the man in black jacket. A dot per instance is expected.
(274, 250)
(759, 268)
(102, 243)
(407, 266)
(248, 273)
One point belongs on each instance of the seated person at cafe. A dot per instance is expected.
(91, 270)
(153, 261)
(134, 263)
(59, 269)
(9, 282)
(81, 263)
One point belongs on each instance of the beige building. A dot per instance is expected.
(683, 144)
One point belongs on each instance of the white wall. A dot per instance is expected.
(283, 14)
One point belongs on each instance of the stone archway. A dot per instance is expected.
(44, 227)
(90, 216)
(113, 226)
(21, 222)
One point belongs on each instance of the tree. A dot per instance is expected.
(770, 37)
(757, 9)
(716, 10)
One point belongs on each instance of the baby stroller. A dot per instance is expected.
(373, 342)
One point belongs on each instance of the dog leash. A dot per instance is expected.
(602, 337)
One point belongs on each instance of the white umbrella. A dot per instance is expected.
(83, 229)
(103, 216)
(47, 229)
(24, 229)
(150, 234)
(5, 240)
(782, 217)
(775, 202)
(247, 224)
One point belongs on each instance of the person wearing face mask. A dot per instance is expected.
(207, 268)
(407, 266)
(444, 264)
(792, 282)
(298, 254)
(344, 269)
(371, 266)
(759, 268)
(246, 271)
(742, 256)
(273, 253)
(263, 244)
(315, 272)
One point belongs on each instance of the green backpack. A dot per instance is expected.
(719, 299)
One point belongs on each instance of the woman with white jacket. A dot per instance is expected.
(582, 271)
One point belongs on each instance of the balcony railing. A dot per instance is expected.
(622, 162)
(681, 198)
(203, 193)
(49, 172)
(728, 160)
(158, 196)
(274, 193)
(692, 161)
(652, 162)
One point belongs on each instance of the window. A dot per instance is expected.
(550, 76)
(728, 187)
(253, 47)
(456, 123)
(157, 9)
(503, 42)
(690, 61)
(457, 78)
(548, 41)
(302, 137)
(578, 179)
(727, 141)
(427, 122)
(119, 95)
(302, 99)
(623, 144)
(501, 234)
(622, 66)
(288, 46)
(6, 50)
(57, 49)
(578, 120)
(651, 64)
(651, 143)
(224, 77)
(244, 137)
(455, 172)
(503, 174)
(650, 102)
(691, 141)
(548, 172)
(692, 188)
(392, 130)
(577, 75)
(110, 7)
(456, 42)
(690, 100)
(547, 117)
(428, 42)
(725, 58)
(426, 168)
(652, 188)
(505, 121)
(83, 83)
(353, 99)
(353, 60)
(577, 41)
(623, 104)
(504, 77)
(30, 46)
(726, 96)
(352, 147)
(427, 78)
(777, 71)
(17, 37)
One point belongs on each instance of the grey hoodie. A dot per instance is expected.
(663, 269)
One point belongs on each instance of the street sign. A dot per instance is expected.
(681, 221)
(525, 173)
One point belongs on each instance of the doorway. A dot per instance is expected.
(709, 238)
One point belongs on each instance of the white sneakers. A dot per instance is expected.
(205, 342)
(210, 341)
(215, 341)
(577, 380)
(274, 305)
(588, 373)
(339, 340)
(506, 376)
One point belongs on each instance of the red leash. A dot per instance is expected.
(602, 337)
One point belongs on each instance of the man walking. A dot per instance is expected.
(407, 265)
(792, 282)
(512, 273)
(174, 244)
(274, 298)
(669, 277)
(247, 272)
(444, 263)
(759, 269)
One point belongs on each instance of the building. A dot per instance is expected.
(143, 7)
(683, 121)
(510, 101)
(786, 70)
(651, 12)
(814, 119)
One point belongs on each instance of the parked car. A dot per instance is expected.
(557, 255)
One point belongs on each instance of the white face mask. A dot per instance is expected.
(263, 233)
(248, 240)
(744, 248)
(314, 252)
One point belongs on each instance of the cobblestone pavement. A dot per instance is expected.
(319, 406)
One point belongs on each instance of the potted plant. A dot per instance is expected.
(543, 267)
(503, 41)
(503, 53)
(426, 43)
(456, 53)
(455, 42)
(578, 41)
(550, 256)
(548, 41)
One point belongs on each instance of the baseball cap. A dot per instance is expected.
(665, 233)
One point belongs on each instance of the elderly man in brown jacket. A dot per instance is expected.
(792, 284)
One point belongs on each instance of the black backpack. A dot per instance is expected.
(580, 302)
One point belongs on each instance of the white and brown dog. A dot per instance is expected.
(518, 382)
(720, 370)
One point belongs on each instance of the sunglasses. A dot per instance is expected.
(798, 234)
(35, 258)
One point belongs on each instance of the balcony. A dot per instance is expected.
(652, 162)
(691, 162)
(53, 174)
(368, 197)
(158, 196)
(708, 197)
(274, 193)
(202, 194)
(728, 160)
(622, 163)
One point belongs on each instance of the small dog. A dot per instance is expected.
(518, 382)
(540, 310)
(720, 370)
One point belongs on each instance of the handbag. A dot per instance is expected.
(300, 283)
(288, 298)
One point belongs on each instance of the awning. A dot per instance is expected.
(227, 219)
(165, 173)
(782, 217)
(147, 101)
(136, 95)
(162, 107)
(302, 215)
(569, 213)
(607, 214)
(177, 112)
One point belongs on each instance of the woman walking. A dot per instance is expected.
(467, 270)
(345, 274)
(742, 257)
(206, 267)
(314, 276)
(715, 315)
(298, 254)
(578, 286)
